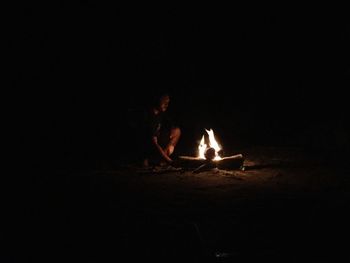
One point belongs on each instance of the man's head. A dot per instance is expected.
(163, 102)
(160, 101)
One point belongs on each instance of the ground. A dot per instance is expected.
(287, 206)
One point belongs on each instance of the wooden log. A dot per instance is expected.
(190, 162)
(229, 162)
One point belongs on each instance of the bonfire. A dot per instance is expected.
(210, 155)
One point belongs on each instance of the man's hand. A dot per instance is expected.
(161, 151)
(168, 159)
(169, 149)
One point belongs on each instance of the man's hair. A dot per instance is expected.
(157, 95)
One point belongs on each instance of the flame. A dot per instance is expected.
(201, 148)
(212, 143)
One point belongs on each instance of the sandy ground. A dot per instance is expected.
(286, 207)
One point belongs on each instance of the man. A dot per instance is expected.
(161, 134)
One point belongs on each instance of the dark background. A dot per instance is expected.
(82, 72)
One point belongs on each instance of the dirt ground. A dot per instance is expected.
(286, 206)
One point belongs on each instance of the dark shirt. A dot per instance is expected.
(156, 125)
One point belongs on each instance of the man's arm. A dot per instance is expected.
(160, 150)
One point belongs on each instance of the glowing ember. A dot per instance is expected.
(212, 144)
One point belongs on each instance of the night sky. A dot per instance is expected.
(82, 71)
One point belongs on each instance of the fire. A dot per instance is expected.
(201, 148)
(212, 144)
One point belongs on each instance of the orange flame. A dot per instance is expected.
(212, 144)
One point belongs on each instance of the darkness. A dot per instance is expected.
(81, 70)
(81, 73)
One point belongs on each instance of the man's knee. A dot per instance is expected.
(175, 132)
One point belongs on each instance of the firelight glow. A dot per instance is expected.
(212, 144)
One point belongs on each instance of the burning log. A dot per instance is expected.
(190, 162)
(229, 162)
(210, 157)
(210, 154)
